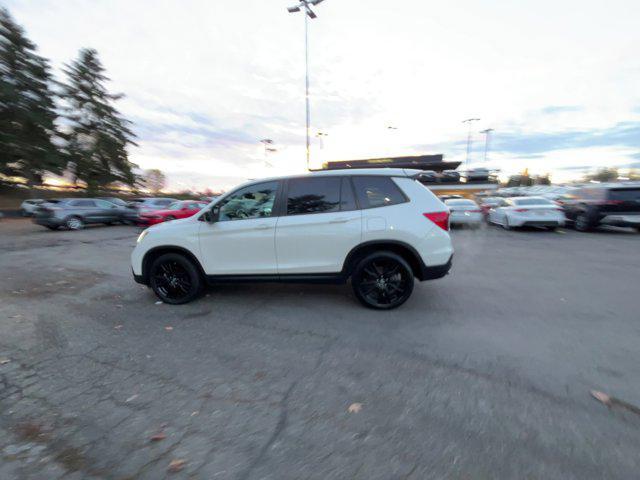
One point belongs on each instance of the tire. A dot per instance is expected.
(552, 229)
(582, 223)
(175, 279)
(506, 225)
(52, 227)
(382, 280)
(74, 223)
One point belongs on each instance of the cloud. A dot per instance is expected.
(206, 80)
(554, 109)
(625, 134)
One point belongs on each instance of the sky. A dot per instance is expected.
(204, 81)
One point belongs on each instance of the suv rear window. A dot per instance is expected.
(625, 194)
(374, 191)
(313, 195)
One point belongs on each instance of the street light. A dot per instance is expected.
(305, 6)
(469, 121)
(320, 136)
(487, 137)
(267, 149)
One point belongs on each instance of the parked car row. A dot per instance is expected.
(585, 208)
(454, 176)
(75, 213)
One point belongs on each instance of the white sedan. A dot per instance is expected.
(527, 212)
(464, 212)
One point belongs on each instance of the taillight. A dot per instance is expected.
(520, 210)
(441, 219)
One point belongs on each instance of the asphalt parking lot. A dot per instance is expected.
(484, 374)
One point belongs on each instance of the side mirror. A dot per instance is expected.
(213, 215)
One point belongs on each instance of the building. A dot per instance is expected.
(420, 162)
(434, 163)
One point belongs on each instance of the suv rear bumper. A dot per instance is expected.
(434, 272)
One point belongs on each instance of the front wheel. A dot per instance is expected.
(74, 223)
(175, 279)
(382, 280)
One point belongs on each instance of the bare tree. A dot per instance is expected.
(154, 180)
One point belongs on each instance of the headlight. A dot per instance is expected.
(142, 235)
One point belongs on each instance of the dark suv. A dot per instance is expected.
(604, 204)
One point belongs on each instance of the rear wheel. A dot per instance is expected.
(74, 223)
(52, 227)
(175, 279)
(583, 224)
(382, 280)
(506, 225)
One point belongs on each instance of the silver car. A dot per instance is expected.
(464, 212)
(75, 213)
(29, 206)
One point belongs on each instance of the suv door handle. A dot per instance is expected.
(341, 220)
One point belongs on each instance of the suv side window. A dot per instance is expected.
(376, 191)
(104, 204)
(313, 195)
(82, 203)
(347, 198)
(254, 201)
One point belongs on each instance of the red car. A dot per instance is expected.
(176, 210)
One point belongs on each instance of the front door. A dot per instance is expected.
(242, 241)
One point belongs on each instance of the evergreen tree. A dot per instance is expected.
(27, 109)
(97, 135)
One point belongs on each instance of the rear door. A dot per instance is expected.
(319, 227)
(108, 211)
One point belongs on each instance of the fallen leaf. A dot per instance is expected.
(4, 361)
(131, 398)
(118, 327)
(354, 408)
(119, 306)
(168, 329)
(601, 397)
(176, 465)
(157, 437)
(159, 302)
(193, 414)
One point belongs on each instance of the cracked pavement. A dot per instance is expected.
(484, 374)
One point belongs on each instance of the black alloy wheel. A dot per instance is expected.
(382, 280)
(175, 279)
(582, 223)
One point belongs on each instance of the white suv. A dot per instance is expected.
(378, 227)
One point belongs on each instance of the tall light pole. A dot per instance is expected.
(267, 142)
(305, 7)
(469, 121)
(487, 139)
(320, 136)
